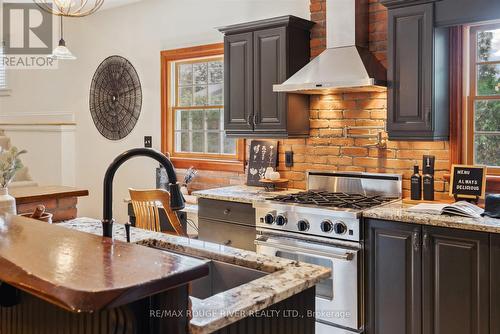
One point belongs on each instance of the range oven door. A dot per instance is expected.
(337, 297)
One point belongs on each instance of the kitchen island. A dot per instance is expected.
(66, 277)
(252, 307)
(53, 279)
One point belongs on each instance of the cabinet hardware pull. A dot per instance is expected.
(299, 250)
(249, 120)
(428, 115)
(426, 241)
(227, 211)
(415, 241)
(254, 119)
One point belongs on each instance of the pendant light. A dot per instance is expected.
(61, 52)
(70, 8)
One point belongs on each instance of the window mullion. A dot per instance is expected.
(190, 131)
(221, 130)
(205, 130)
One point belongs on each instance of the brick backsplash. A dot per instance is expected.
(326, 148)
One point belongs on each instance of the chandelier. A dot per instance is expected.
(70, 8)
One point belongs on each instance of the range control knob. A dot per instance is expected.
(281, 220)
(269, 219)
(340, 227)
(303, 225)
(326, 226)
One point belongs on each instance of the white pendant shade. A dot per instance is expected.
(62, 53)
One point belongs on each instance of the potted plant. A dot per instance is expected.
(10, 164)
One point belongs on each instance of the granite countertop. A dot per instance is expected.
(285, 278)
(398, 211)
(242, 193)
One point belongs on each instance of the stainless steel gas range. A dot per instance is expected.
(323, 226)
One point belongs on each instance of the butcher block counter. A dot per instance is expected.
(58, 273)
(61, 201)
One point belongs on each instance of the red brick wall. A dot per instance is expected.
(326, 148)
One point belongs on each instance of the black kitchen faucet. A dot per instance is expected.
(176, 198)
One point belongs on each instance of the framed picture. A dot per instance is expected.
(263, 154)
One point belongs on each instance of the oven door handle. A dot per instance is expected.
(344, 256)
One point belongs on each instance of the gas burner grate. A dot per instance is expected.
(328, 199)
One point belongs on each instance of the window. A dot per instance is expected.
(483, 109)
(193, 110)
(198, 108)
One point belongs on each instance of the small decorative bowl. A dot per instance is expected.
(46, 217)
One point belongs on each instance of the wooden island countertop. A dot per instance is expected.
(41, 193)
(81, 272)
(61, 201)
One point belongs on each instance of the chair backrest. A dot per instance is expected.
(147, 204)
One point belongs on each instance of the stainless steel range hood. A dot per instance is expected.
(346, 65)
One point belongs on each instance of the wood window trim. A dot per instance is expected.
(459, 103)
(202, 162)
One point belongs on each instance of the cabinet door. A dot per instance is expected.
(495, 283)
(238, 85)
(455, 281)
(409, 74)
(269, 69)
(393, 269)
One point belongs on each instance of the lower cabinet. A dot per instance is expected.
(227, 223)
(393, 278)
(455, 281)
(422, 279)
(495, 283)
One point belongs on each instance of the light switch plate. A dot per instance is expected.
(148, 141)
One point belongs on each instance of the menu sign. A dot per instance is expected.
(468, 181)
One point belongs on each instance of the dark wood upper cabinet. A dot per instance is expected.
(258, 55)
(270, 68)
(238, 67)
(430, 280)
(418, 99)
(455, 281)
(393, 291)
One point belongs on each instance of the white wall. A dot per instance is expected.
(50, 142)
(51, 151)
(138, 32)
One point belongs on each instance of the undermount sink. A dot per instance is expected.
(222, 277)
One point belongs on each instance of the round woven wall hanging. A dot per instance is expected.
(115, 98)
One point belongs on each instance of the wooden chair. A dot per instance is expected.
(147, 210)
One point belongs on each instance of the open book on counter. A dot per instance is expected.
(461, 208)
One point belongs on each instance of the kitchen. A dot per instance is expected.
(347, 97)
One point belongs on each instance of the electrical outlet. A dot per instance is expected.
(148, 141)
(289, 158)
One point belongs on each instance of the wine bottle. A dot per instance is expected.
(428, 180)
(416, 184)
